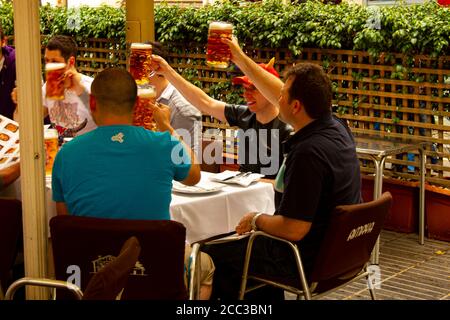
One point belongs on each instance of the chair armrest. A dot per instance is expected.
(41, 282)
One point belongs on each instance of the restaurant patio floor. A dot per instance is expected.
(409, 271)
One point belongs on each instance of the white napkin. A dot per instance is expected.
(236, 177)
(202, 186)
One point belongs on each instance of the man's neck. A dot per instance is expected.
(112, 120)
(267, 114)
(161, 86)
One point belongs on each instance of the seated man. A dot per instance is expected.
(321, 171)
(119, 170)
(261, 131)
(183, 115)
(71, 116)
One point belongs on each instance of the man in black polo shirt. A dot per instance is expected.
(321, 171)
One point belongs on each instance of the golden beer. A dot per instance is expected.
(143, 115)
(55, 80)
(140, 62)
(218, 54)
(51, 149)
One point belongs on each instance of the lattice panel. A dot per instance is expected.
(405, 96)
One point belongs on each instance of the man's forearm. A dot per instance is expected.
(268, 84)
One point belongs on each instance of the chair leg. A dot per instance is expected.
(372, 293)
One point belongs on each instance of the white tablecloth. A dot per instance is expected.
(210, 214)
(203, 215)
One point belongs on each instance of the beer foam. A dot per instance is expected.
(54, 66)
(147, 93)
(51, 134)
(142, 46)
(217, 25)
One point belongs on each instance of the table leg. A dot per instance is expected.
(423, 160)
(377, 190)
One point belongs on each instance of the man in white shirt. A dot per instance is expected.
(70, 116)
(183, 114)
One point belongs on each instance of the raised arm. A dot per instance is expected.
(268, 84)
(196, 96)
(161, 115)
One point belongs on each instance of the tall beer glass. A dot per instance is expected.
(51, 149)
(218, 54)
(55, 80)
(140, 62)
(143, 115)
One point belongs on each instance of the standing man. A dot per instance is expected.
(321, 172)
(183, 115)
(7, 76)
(261, 131)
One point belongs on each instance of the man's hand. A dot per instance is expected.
(14, 95)
(236, 51)
(245, 225)
(72, 81)
(159, 65)
(161, 115)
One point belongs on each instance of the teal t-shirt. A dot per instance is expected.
(119, 172)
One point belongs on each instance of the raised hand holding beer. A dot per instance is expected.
(218, 54)
(55, 80)
(161, 115)
(143, 114)
(140, 62)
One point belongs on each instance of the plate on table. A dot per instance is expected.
(199, 188)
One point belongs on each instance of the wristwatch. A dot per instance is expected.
(253, 224)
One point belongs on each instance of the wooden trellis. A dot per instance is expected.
(407, 97)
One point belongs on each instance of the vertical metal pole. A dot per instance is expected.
(423, 159)
(377, 191)
(28, 61)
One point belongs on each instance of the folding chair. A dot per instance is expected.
(10, 234)
(343, 256)
(87, 243)
(106, 284)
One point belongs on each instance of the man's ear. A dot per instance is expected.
(92, 103)
(296, 106)
(71, 61)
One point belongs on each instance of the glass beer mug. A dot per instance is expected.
(143, 115)
(218, 54)
(54, 87)
(140, 62)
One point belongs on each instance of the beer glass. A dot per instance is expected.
(143, 115)
(55, 80)
(140, 62)
(51, 149)
(218, 54)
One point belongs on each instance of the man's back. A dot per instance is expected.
(118, 172)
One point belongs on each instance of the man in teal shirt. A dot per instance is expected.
(119, 170)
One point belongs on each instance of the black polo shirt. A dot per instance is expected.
(258, 140)
(322, 172)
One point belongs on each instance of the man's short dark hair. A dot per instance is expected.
(312, 87)
(159, 49)
(115, 91)
(65, 44)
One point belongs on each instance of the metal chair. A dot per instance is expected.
(10, 234)
(343, 256)
(106, 284)
(87, 243)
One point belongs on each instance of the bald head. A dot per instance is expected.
(114, 91)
